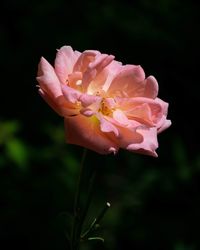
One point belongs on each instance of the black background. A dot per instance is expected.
(155, 201)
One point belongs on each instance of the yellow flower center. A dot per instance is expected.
(104, 108)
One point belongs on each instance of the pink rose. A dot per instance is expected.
(105, 105)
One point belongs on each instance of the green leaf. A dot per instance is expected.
(7, 130)
(17, 152)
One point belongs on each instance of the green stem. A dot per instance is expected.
(87, 204)
(75, 237)
(78, 193)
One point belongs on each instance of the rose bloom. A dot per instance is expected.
(105, 105)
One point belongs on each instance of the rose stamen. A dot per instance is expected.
(104, 109)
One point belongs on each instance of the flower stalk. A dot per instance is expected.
(81, 210)
(75, 234)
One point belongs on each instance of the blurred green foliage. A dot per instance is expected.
(154, 202)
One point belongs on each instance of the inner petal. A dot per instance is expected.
(129, 82)
(75, 80)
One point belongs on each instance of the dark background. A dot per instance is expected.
(155, 202)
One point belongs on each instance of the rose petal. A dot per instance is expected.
(142, 113)
(111, 72)
(107, 126)
(87, 100)
(103, 79)
(84, 131)
(163, 123)
(149, 143)
(85, 58)
(75, 80)
(128, 136)
(166, 124)
(128, 83)
(121, 118)
(70, 94)
(64, 62)
(87, 112)
(90, 104)
(142, 109)
(151, 87)
(101, 61)
(164, 105)
(47, 79)
(94, 68)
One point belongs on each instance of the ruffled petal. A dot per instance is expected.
(64, 62)
(164, 106)
(95, 68)
(107, 127)
(149, 143)
(128, 136)
(136, 137)
(84, 131)
(145, 110)
(151, 87)
(48, 80)
(85, 58)
(87, 100)
(90, 104)
(129, 82)
(75, 80)
(164, 123)
(87, 112)
(70, 94)
(102, 81)
(121, 118)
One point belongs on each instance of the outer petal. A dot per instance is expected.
(164, 105)
(137, 137)
(128, 83)
(144, 114)
(64, 62)
(149, 143)
(84, 131)
(48, 80)
(145, 110)
(151, 87)
(128, 136)
(164, 123)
